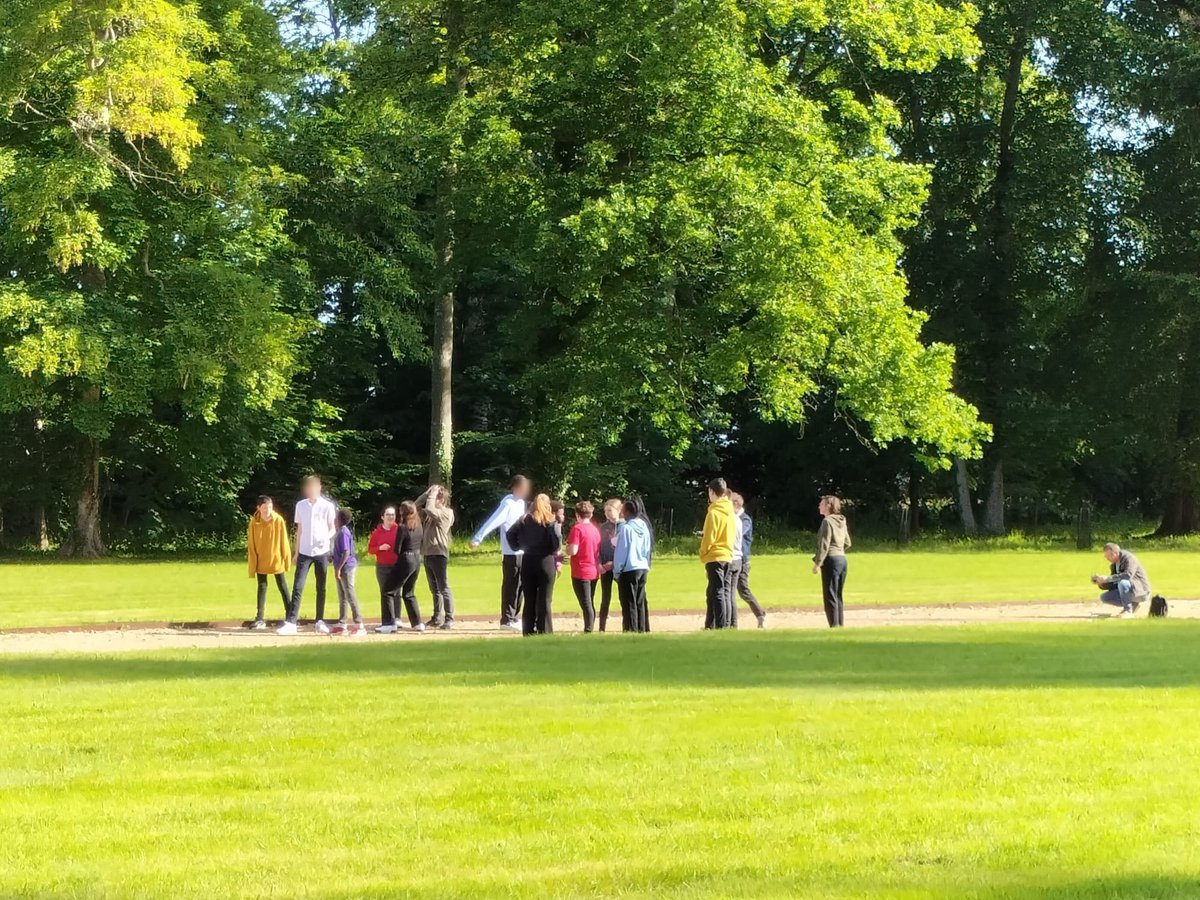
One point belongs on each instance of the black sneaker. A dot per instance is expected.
(432, 624)
(446, 626)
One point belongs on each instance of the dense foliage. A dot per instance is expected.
(940, 257)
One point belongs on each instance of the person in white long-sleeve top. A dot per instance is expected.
(509, 511)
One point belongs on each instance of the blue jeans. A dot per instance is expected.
(1122, 596)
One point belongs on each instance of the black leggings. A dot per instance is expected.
(606, 592)
(585, 589)
(281, 583)
(403, 579)
(631, 588)
(833, 582)
(538, 574)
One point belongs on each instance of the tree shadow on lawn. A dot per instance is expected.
(749, 884)
(1137, 654)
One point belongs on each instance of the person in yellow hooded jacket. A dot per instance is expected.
(716, 552)
(268, 552)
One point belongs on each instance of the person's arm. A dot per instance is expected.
(846, 543)
(251, 554)
(620, 553)
(823, 540)
(573, 542)
(556, 537)
(494, 521)
(706, 536)
(285, 548)
(514, 534)
(299, 533)
(423, 499)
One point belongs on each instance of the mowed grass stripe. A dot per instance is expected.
(124, 591)
(1045, 761)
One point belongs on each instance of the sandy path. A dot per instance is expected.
(116, 639)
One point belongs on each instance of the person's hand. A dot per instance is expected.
(474, 544)
(385, 547)
(816, 568)
(295, 557)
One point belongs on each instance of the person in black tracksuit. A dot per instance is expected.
(403, 576)
(608, 544)
(538, 538)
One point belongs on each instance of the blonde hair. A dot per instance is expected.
(540, 510)
(614, 503)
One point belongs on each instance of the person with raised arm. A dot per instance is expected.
(507, 513)
(437, 518)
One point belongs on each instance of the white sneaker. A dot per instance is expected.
(320, 627)
(512, 626)
(385, 629)
(1125, 614)
(287, 628)
(259, 625)
(420, 626)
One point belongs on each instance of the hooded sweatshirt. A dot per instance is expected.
(833, 539)
(438, 520)
(268, 550)
(720, 532)
(632, 553)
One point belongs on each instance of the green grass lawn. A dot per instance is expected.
(1046, 762)
(62, 593)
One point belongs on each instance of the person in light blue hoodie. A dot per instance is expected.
(508, 513)
(631, 565)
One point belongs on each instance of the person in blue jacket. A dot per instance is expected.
(631, 565)
(743, 575)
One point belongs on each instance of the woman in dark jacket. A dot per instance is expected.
(539, 538)
(403, 577)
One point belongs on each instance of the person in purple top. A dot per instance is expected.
(345, 566)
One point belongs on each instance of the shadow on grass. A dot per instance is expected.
(1103, 654)
(749, 884)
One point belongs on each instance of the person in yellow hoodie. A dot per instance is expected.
(716, 552)
(268, 552)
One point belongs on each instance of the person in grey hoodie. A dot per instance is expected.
(833, 540)
(437, 518)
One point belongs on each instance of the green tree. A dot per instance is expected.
(143, 264)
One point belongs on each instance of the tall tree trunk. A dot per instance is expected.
(441, 434)
(84, 539)
(993, 511)
(41, 527)
(441, 421)
(966, 511)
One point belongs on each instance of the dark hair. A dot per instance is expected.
(718, 487)
(630, 510)
(835, 505)
(584, 509)
(344, 517)
(639, 510)
(407, 515)
(518, 481)
(556, 505)
(262, 498)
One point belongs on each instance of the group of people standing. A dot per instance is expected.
(532, 551)
(616, 552)
(725, 545)
(323, 540)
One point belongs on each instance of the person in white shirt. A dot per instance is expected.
(316, 525)
(506, 515)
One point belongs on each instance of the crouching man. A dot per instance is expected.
(1127, 586)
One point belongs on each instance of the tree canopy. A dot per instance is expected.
(924, 253)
